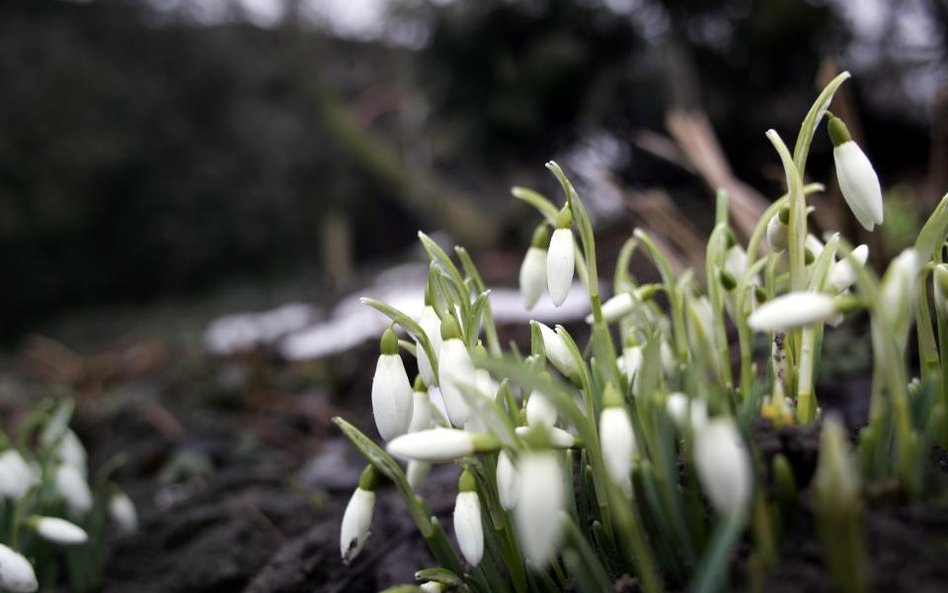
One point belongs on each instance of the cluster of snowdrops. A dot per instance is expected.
(630, 456)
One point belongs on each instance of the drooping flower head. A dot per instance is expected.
(358, 517)
(391, 390)
(561, 258)
(533, 268)
(857, 178)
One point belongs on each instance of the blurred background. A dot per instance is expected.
(159, 151)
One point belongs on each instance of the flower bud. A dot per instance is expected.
(431, 324)
(358, 517)
(540, 410)
(724, 466)
(456, 368)
(793, 310)
(897, 289)
(631, 361)
(836, 479)
(557, 352)
(735, 262)
(416, 472)
(777, 233)
(616, 308)
(72, 487)
(539, 503)
(508, 481)
(16, 476)
(618, 445)
(533, 270)
(72, 451)
(560, 258)
(685, 411)
(122, 511)
(440, 444)
(16, 572)
(391, 390)
(843, 275)
(467, 520)
(857, 179)
(557, 438)
(58, 530)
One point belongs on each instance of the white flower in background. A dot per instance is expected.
(814, 245)
(540, 410)
(508, 481)
(556, 351)
(456, 368)
(391, 390)
(777, 233)
(669, 359)
(618, 445)
(358, 517)
(16, 572)
(857, 179)
(416, 472)
(630, 362)
(560, 258)
(438, 444)
(897, 290)
(941, 287)
(793, 310)
(843, 275)
(533, 269)
(616, 308)
(539, 504)
(73, 488)
(467, 520)
(685, 411)
(58, 530)
(735, 262)
(431, 324)
(433, 587)
(557, 438)
(16, 476)
(72, 451)
(724, 466)
(122, 511)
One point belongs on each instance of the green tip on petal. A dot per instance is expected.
(389, 342)
(610, 396)
(727, 280)
(564, 219)
(450, 329)
(420, 384)
(784, 214)
(368, 478)
(838, 131)
(541, 237)
(466, 482)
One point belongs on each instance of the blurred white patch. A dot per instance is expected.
(245, 331)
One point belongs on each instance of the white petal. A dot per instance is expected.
(73, 488)
(16, 572)
(355, 523)
(16, 476)
(618, 445)
(431, 324)
(540, 502)
(416, 472)
(122, 511)
(724, 466)
(533, 276)
(468, 528)
(456, 369)
(793, 310)
(508, 481)
(616, 308)
(560, 265)
(434, 445)
(556, 351)
(60, 531)
(540, 410)
(72, 452)
(421, 412)
(859, 183)
(735, 262)
(631, 361)
(391, 397)
(843, 275)
(559, 438)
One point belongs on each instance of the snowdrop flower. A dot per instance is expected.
(631, 361)
(467, 520)
(508, 481)
(431, 324)
(618, 440)
(560, 258)
(897, 290)
(539, 503)
(857, 179)
(557, 352)
(793, 310)
(735, 262)
(533, 268)
(616, 308)
(74, 490)
(777, 233)
(391, 390)
(843, 275)
(724, 466)
(421, 417)
(456, 368)
(58, 530)
(814, 245)
(685, 411)
(16, 572)
(16, 476)
(122, 511)
(358, 517)
(941, 287)
(440, 444)
(556, 438)
(72, 452)
(540, 410)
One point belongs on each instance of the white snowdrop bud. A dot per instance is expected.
(814, 245)
(358, 517)
(669, 359)
(897, 290)
(843, 275)
(618, 443)
(557, 438)
(793, 310)
(58, 530)
(685, 411)
(857, 179)
(122, 511)
(777, 233)
(724, 466)
(16, 476)
(560, 258)
(440, 444)
(421, 412)
(508, 481)
(556, 352)
(431, 324)
(540, 410)
(416, 472)
(72, 451)
(616, 308)
(16, 572)
(391, 390)
(539, 503)
(467, 520)
(456, 368)
(74, 489)
(735, 262)
(631, 361)
(533, 269)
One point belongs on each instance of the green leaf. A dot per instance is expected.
(538, 201)
(408, 324)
